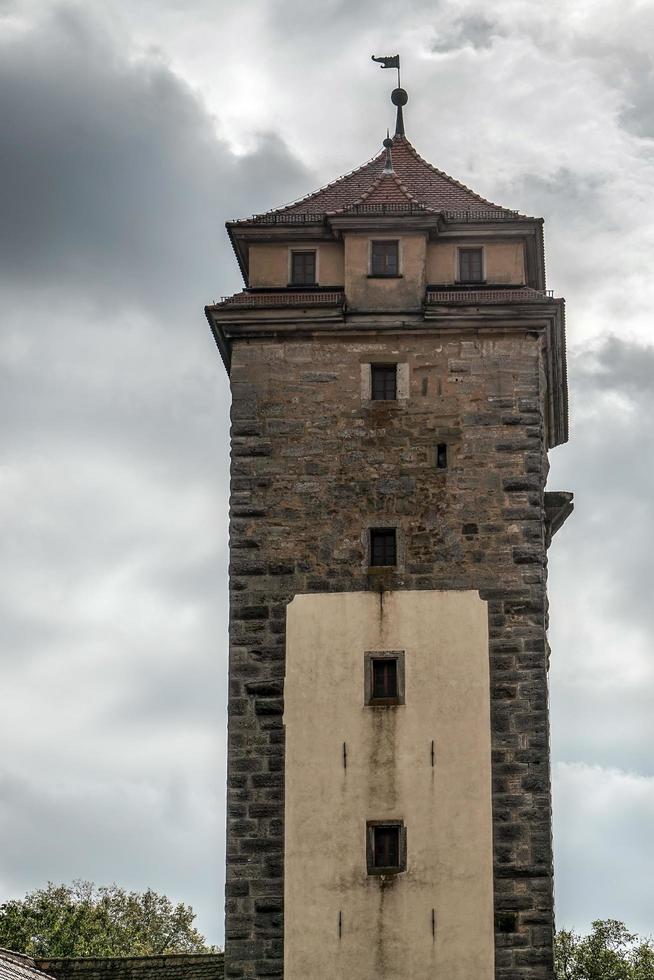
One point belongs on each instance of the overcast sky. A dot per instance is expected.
(130, 131)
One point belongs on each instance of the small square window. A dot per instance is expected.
(385, 847)
(383, 546)
(303, 268)
(471, 266)
(383, 382)
(506, 921)
(384, 258)
(384, 678)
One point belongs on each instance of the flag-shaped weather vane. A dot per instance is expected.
(399, 97)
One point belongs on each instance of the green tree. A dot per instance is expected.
(84, 920)
(610, 952)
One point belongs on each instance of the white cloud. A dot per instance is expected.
(604, 864)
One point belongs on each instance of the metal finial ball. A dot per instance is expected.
(388, 142)
(399, 96)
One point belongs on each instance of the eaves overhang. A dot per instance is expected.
(261, 314)
(242, 233)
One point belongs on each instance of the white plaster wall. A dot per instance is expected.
(386, 921)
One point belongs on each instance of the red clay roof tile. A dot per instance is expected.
(414, 182)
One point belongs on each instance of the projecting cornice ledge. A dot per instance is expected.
(559, 504)
(284, 315)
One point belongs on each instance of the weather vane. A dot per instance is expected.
(399, 97)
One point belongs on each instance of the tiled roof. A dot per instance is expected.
(168, 966)
(284, 298)
(16, 966)
(414, 182)
(473, 297)
(386, 189)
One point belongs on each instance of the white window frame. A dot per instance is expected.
(401, 384)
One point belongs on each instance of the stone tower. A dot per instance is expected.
(398, 376)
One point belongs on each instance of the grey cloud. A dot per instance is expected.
(603, 858)
(114, 182)
(88, 828)
(638, 114)
(619, 365)
(601, 578)
(115, 189)
(472, 30)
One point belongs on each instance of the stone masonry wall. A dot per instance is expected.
(313, 465)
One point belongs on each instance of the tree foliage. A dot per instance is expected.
(610, 952)
(84, 920)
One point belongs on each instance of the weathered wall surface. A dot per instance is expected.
(270, 264)
(387, 774)
(312, 465)
(371, 293)
(504, 262)
(421, 262)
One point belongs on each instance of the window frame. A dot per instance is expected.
(383, 366)
(371, 550)
(369, 658)
(372, 273)
(292, 252)
(461, 249)
(397, 825)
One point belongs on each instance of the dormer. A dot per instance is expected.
(437, 232)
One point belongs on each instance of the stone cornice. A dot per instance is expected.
(546, 317)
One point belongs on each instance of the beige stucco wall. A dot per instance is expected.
(364, 293)
(504, 262)
(386, 921)
(270, 264)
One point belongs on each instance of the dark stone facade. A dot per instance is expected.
(314, 465)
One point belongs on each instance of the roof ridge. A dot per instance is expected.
(376, 184)
(442, 173)
(405, 190)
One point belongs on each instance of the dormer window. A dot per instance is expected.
(471, 265)
(303, 268)
(384, 258)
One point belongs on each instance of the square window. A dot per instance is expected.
(303, 268)
(384, 678)
(506, 921)
(471, 266)
(383, 546)
(385, 847)
(385, 258)
(383, 382)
